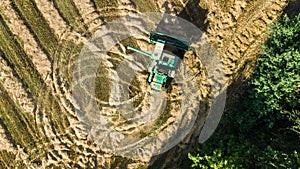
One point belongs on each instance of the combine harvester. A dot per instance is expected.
(165, 58)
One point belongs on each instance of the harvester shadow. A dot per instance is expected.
(195, 14)
(292, 9)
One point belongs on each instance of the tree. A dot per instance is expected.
(265, 131)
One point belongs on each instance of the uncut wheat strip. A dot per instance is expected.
(17, 63)
(5, 144)
(28, 79)
(16, 27)
(124, 7)
(18, 126)
(61, 29)
(53, 10)
(21, 157)
(18, 58)
(70, 13)
(37, 24)
(30, 46)
(15, 88)
(55, 21)
(20, 67)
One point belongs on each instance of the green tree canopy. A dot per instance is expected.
(265, 131)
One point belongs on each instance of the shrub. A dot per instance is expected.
(265, 130)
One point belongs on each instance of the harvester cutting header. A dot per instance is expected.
(165, 58)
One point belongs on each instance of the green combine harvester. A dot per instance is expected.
(165, 58)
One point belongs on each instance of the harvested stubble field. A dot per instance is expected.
(40, 41)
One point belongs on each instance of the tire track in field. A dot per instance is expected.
(50, 84)
(47, 48)
(237, 31)
(63, 142)
(53, 154)
(251, 36)
(70, 13)
(12, 83)
(244, 22)
(173, 7)
(47, 120)
(89, 14)
(249, 28)
(114, 9)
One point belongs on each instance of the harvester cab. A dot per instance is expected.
(165, 58)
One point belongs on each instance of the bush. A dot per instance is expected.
(265, 131)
